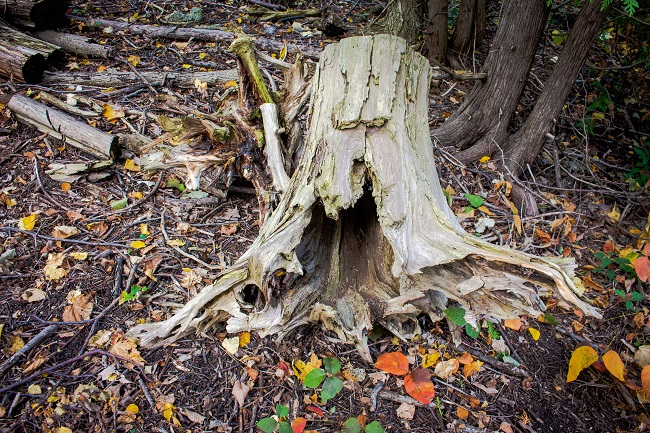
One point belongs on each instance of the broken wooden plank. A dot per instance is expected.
(64, 127)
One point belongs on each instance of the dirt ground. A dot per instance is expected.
(85, 375)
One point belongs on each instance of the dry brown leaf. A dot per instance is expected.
(33, 364)
(125, 347)
(79, 309)
(64, 232)
(33, 295)
(53, 269)
(406, 411)
(229, 229)
(445, 369)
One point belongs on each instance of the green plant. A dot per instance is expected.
(456, 315)
(639, 176)
(475, 202)
(131, 293)
(331, 385)
(269, 424)
(610, 265)
(352, 425)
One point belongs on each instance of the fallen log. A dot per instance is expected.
(64, 127)
(23, 58)
(39, 14)
(363, 234)
(198, 34)
(119, 79)
(75, 44)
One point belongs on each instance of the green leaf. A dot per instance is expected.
(314, 378)
(374, 427)
(175, 183)
(331, 387)
(511, 360)
(471, 331)
(332, 365)
(629, 305)
(351, 425)
(119, 204)
(285, 427)
(549, 318)
(456, 315)
(127, 295)
(267, 425)
(475, 200)
(281, 411)
(636, 296)
(492, 331)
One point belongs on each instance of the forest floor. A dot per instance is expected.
(60, 271)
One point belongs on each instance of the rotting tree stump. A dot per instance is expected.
(39, 14)
(363, 234)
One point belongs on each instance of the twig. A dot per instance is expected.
(146, 393)
(129, 281)
(140, 76)
(47, 194)
(26, 348)
(144, 199)
(119, 270)
(181, 252)
(68, 240)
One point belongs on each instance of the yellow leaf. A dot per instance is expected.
(186, 66)
(283, 52)
(110, 113)
(131, 165)
(231, 345)
(79, 255)
(615, 365)
(101, 68)
(132, 409)
(472, 368)
(534, 333)
(176, 242)
(28, 222)
(203, 55)
(34, 389)
(63, 430)
(133, 60)
(581, 358)
(485, 210)
(136, 194)
(300, 368)
(138, 244)
(144, 230)
(17, 343)
(614, 215)
(168, 411)
(230, 83)
(485, 158)
(244, 338)
(430, 359)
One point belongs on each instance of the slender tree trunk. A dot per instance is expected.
(437, 35)
(485, 115)
(363, 234)
(401, 18)
(469, 31)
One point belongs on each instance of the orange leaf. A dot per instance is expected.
(466, 358)
(298, 425)
(581, 358)
(393, 363)
(609, 246)
(419, 386)
(615, 365)
(645, 378)
(642, 268)
(472, 368)
(462, 412)
(514, 324)
(65, 186)
(542, 235)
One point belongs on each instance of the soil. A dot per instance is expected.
(188, 385)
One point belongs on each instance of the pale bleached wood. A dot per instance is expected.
(273, 147)
(363, 233)
(119, 79)
(75, 44)
(64, 127)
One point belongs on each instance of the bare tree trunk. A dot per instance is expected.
(363, 234)
(437, 36)
(401, 18)
(484, 117)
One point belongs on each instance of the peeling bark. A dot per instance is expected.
(363, 234)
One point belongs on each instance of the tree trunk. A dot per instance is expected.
(523, 146)
(39, 14)
(23, 57)
(401, 18)
(469, 31)
(435, 45)
(363, 234)
(485, 115)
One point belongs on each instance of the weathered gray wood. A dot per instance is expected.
(119, 79)
(198, 34)
(23, 58)
(76, 44)
(363, 233)
(64, 127)
(38, 14)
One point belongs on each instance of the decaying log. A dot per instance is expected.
(23, 57)
(64, 127)
(118, 79)
(197, 34)
(363, 234)
(76, 44)
(266, 14)
(40, 14)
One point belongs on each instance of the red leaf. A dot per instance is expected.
(632, 385)
(317, 410)
(298, 425)
(642, 268)
(646, 249)
(608, 247)
(419, 386)
(393, 363)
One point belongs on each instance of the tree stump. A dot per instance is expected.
(363, 234)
